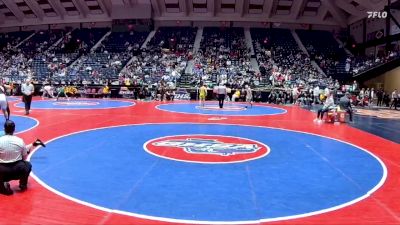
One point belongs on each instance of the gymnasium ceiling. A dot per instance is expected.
(331, 12)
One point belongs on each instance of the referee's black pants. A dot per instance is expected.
(27, 100)
(18, 170)
(221, 98)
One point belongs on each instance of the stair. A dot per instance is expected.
(316, 66)
(99, 42)
(341, 44)
(254, 64)
(299, 43)
(304, 50)
(148, 39)
(183, 81)
(25, 40)
(249, 41)
(189, 67)
(59, 40)
(197, 41)
(126, 65)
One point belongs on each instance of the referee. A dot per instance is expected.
(221, 92)
(27, 90)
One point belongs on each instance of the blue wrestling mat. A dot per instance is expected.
(13, 99)
(208, 172)
(230, 109)
(22, 123)
(78, 104)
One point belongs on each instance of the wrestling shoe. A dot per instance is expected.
(38, 142)
(23, 187)
(5, 189)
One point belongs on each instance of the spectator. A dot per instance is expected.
(13, 153)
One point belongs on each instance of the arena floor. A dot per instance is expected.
(131, 162)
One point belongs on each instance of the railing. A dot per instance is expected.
(378, 69)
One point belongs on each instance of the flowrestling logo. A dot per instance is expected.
(376, 14)
(206, 148)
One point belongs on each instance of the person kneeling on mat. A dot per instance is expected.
(13, 164)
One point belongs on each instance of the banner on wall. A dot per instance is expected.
(182, 94)
(375, 35)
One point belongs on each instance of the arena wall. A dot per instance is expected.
(388, 81)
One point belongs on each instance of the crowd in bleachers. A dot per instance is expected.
(223, 58)
(283, 64)
(122, 41)
(81, 40)
(41, 41)
(11, 39)
(45, 55)
(287, 68)
(361, 64)
(325, 50)
(163, 60)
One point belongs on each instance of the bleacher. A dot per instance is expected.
(81, 39)
(323, 47)
(280, 41)
(46, 66)
(121, 41)
(97, 66)
(223, 57)
(41, 41)
(228, 37)
(176, 39)
(13, 38)
(165, 57)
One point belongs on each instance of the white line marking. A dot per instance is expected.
(380, 183)
(216, 114)
(85, 99)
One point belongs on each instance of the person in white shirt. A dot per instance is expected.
(221, 92)
(395, 99)
(361, 94)
(372, 96)
(316, 94)
(4, 104)
(295, 94)
(48, 90)
(249, 95)
(27, 90)
(328, 104)
(13, 153)
(327, 92)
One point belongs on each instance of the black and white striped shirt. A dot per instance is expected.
(12, 149)
(27, 89)
(221, 90)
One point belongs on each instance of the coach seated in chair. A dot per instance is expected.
(13, 164)
(345, 105)
(170, 95)
(329, 105)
